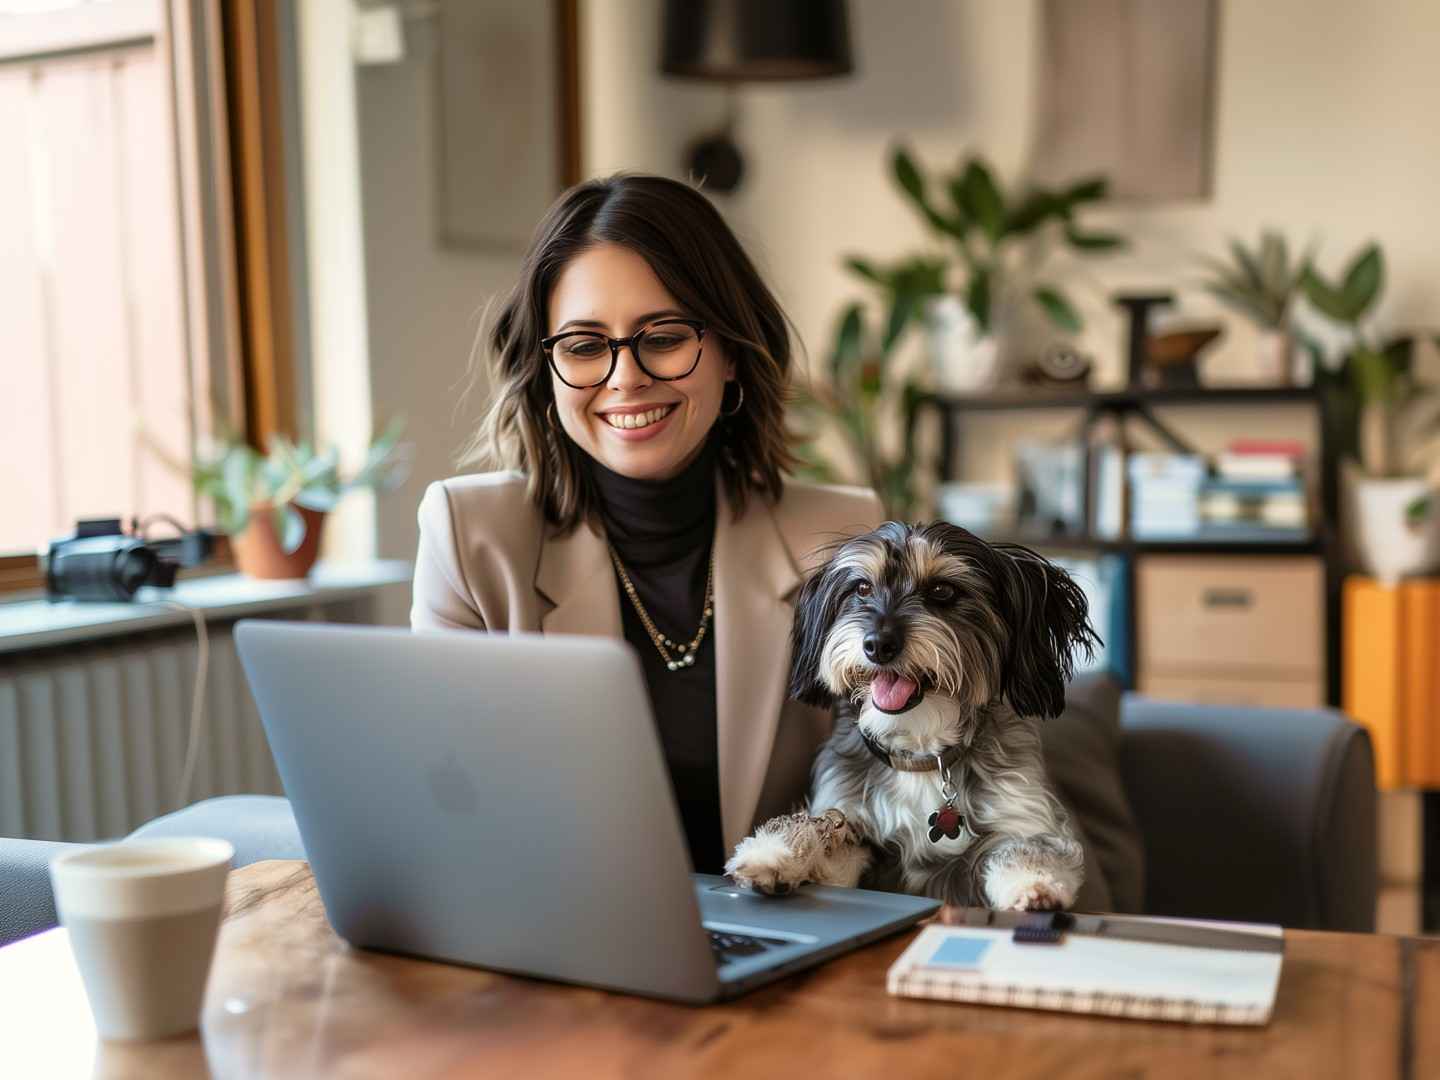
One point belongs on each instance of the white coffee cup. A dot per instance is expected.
(142, 916)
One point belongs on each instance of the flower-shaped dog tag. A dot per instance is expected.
(946, 822)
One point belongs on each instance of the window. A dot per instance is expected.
(93, 278)
(127, 292)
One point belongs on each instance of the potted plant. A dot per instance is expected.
(993, 244)
(274, 505)
(1378, 409)
(862, 404)
(1261, 284)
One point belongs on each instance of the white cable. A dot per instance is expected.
(202, 667)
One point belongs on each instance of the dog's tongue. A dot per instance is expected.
(890, 691)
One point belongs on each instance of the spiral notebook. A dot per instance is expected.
(1180, 973)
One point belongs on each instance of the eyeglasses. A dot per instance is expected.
(665, 350)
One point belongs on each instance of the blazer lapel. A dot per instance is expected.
(576, 576)
(755, 582)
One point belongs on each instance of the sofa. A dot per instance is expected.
(1263, 815)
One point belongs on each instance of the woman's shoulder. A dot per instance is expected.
(493, 486)
(811, 514)
(482, 503)
(803, 498)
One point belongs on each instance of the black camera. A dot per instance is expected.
(102, 562)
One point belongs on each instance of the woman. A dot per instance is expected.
(639, 374)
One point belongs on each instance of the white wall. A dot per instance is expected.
(1324, 129)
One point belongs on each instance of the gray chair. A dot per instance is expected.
(1265, 815)
(1258, 815)
(260, 827)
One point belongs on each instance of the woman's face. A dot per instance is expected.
(613, 290)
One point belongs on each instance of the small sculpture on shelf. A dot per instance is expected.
(1165, 359)
(1171, 358)
(1060, 367)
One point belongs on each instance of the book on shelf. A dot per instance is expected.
(1281, 511)
(1260, 459)
(1291, 448)
(1165, 494)
(1176, 496)
(1255, 467)
(1278, 503)
(1108, 475)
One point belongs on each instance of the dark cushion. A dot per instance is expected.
(1082, 757)
(26, 903)
(1094, 894)
(1259, 815)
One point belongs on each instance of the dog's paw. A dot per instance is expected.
(767, 863)
(1029, 890)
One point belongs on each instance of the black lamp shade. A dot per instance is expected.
(756, 40)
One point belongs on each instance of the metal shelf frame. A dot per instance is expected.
(1140, 403)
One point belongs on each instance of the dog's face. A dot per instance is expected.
(913, 622)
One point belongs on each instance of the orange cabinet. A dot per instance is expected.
(1391, 675)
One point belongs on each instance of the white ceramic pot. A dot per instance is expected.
(1387, 546)
(1274, 355)
(964, 360)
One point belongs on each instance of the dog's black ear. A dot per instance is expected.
(1050, 621)
(815, 610)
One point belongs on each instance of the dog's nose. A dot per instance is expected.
(883, 642)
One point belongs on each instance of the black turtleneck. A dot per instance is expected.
(663, 531)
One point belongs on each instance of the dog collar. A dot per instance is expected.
(909, 761)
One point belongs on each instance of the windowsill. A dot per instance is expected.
(33, 624)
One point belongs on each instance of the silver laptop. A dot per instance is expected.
(502, 801)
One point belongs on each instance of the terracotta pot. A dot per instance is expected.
(258, 552)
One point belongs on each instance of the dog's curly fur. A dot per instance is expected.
(987, 633)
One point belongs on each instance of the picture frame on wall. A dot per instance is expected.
(507, 95)
(1126, 89)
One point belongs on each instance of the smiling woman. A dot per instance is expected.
(621, 260)
(640, 368)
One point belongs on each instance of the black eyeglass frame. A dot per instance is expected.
(616, 344)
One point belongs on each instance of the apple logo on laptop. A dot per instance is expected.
(452, 786)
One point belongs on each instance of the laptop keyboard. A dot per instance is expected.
(727, 946)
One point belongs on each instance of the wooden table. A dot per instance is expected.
(287, 998)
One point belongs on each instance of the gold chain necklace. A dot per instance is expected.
(685, 654)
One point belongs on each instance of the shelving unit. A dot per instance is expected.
(1139, 403)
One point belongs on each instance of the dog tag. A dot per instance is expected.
(946, 822)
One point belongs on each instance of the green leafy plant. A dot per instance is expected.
(861, 396)
(242, 481)
(1371, 390)
(856, 400)
(1260, 283)
(982, 229)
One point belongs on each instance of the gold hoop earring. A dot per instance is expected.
(550, 417)
(738, 401)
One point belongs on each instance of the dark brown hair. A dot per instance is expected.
(682, 236)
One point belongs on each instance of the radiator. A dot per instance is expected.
(93, 738)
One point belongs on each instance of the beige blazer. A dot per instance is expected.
(488, 561)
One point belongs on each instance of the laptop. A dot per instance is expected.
(502, 801)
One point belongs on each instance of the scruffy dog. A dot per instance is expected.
(944, 653)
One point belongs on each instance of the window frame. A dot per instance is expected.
(225, 99)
